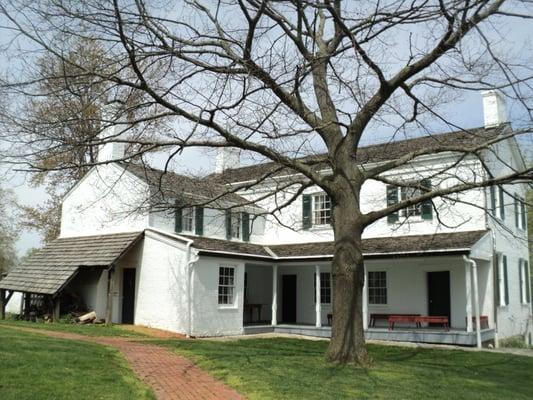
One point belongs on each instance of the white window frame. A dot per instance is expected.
(370, 288)
(499, 195)
(522, 213)
(501, 279)
(523, 275)
(188, 214)
(236, 225)
(316, 218)
(226, 286)
(323, 288)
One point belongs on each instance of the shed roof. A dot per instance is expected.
(51, 268)
(457, 242)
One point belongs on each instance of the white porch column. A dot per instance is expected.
(274, 295)
(468, 291)
(365, 300)
(318, 303)
(476, 304)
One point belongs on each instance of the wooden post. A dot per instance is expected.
(3, 302)
(110, 289)
(274, 295)
(318, 302)
(365, 299)
(27, 305)
(57, 309)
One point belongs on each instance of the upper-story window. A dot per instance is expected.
(396, 194)
(316, 210)
(237, 225)
(189, 220)
(520, 213)
(497, 197)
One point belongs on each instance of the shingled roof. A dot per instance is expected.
(459, 242)
(369, 154)
(189, 190)
(51, 268)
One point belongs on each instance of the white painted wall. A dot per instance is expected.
(91, 285)
(210, 318)
(106, 200)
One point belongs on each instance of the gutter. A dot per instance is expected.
(190, 271)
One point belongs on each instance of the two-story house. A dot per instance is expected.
(227, 266)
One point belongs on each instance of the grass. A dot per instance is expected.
(296, 369)
(87, 330)
(38, 367)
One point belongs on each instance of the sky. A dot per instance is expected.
(466, 112)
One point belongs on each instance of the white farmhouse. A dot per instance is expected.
(230, 268)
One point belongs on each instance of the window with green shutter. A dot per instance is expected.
(245, 227)
(392, 198)
(228, 224)
(527, 278)
(427, 206)
(178, 214)
(306, 211)
(505, 280)
(199, 221)
(502, 202)
(521, 280)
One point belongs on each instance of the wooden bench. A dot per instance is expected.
(483, 321)
(418, 320)
(374, 317)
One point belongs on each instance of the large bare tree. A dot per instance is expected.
(286, 79)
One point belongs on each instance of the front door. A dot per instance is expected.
(288, 298)
(128, 295)
(439, 293)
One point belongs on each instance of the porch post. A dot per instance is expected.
(365, 299)
(318, 302)
(476, 304)
(468, 291)
(274, 295)
(110, 288)
(2, 304)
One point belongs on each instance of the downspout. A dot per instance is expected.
(495, 286)
(189, 271)
(476, 299)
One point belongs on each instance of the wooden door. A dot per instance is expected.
(128, 295)
(288, 298)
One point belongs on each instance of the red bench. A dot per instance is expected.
(419, 320)
(374, 317)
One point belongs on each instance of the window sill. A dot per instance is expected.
(320, 227)
(228, 307)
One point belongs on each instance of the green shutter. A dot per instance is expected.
(523, 214)
(427, 206)
(199, 221)
(245, 227)
(306, 211)
(528, 281)
(502, 204)
(493, 200)
(228, 224)
(497, 279)
(505, 280)
(178, 213)
(392, 198)
(516, 211)
(520, 279)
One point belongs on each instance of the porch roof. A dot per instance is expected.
(458, 243)
(49, 269)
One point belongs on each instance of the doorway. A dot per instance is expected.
(288, 298)
(128, 295)
(439, 293)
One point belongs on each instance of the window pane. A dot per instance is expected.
(377, 287)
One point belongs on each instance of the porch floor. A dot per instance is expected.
(417, 335)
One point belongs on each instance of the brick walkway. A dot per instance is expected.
(168, 374)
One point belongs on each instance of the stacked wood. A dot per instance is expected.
(87, 318)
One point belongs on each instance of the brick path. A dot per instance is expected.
(168, 374)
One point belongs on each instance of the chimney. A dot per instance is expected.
(494, 110)
(111, 150)
(227, 158)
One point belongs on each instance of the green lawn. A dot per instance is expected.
(87, 330)
(295, 369)
(37, 367)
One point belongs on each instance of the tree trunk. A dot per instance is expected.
(347, 343)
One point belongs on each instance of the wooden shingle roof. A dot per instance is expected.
(51, 268)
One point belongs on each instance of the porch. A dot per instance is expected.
(459, 337)
(296, 299)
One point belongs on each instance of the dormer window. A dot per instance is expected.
(316, 210)
(189, 220)
(237, 225)
(396, 194)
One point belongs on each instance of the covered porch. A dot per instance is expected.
(296, 298)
